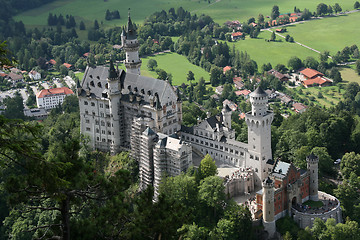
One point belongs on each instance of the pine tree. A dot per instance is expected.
(108, 16)
(82, 25)
(96, 25)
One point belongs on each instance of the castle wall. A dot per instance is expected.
(306, 220)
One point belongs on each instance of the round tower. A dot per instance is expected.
(268, 206)
(131, 46)
(259, 121)
(226, 112)
(313, 168)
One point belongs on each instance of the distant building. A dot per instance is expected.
(236, 35)
(225, 69)
(219, 90)
(15, 78)
(51, 98)
(279, 75)
(238, 83)
(299, 107)
(34, 75)
(36, 113)
(244, 93)
(271, 93)
(311, 77)
(68, 66)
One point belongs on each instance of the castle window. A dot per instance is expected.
(97, 138)
(88, 129)
(87, 120)
(90, 76)
(86, 103)
(93, 104)
(97, 131)
(107, 106)
(107, 86)
(92, 84)
(149, 92)
(251, 157)
(256, 170)
(101, 105)
(103, 140)
(109, 132)
(257, 158)
(108, 124)
(97, 122)
(102, 114)
(103, 131)
(102, 123)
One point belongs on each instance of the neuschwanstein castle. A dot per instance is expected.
(122, 110)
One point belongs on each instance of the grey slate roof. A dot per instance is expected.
(259, 92)
(146, 87)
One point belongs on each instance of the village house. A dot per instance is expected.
(310, 77)
(271, 93)
(299, 107)
(236, 36)
(15, 78)
(238, 83)
(286, 100)
(225, 69)
(34, 75)
(68, 66)
(230, 104)
(244, 93)
(279, 75)
(219, 90)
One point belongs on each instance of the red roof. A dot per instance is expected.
(299, 106)
(86, 54)
(52, 61)
(241, 115)
(3, 74)
(318, 80)
(293, 15)
(227, 68)
(67, 65)
(244, 92)
(237, 79)
(311, 73)
(49, 92)
(253, 24)
(237, 34)
(293, 19)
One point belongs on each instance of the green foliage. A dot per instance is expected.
(14, 107)
(152, 64)
(350, 163)
(207, 167)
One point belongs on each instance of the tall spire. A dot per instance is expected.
(112, 71)
(131, 32)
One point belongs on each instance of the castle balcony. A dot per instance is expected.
(305, 215)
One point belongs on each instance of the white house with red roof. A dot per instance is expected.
(51, 98)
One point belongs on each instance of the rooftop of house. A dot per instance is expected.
(53, 91)
(67, 65)
(317, 80)
(299, 106)
(237, 34)
(244, 92)
(280, 170)
(311, 73)
(227, 68)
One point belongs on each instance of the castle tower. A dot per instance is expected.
(259, 135)
(313, 168)
(114, 94)
(131, 47)
(226, 112)
(146, 162)
(268, 207)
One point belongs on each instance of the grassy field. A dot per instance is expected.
(219, 10)
(330, 95)
(349, 75)
(175, 64)
(273, 52)
(331, 33)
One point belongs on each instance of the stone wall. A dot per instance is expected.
(306, 219)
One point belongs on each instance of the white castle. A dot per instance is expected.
(126, 111)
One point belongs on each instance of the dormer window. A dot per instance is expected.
(99, 84)
(90, 76)
(135, 89)
(98, 77)
(92, 84)
(142, 91)
(129, 87)
(149, 92)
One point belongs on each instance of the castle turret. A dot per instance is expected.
(268, 207)
(114, 94)
(226, 112)
(78, 87)
(259, 135)
(313, 168)
(131, 47)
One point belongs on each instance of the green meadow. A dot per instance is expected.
(175, 64)
(330, 33)
(272, 52)
(219, 10)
